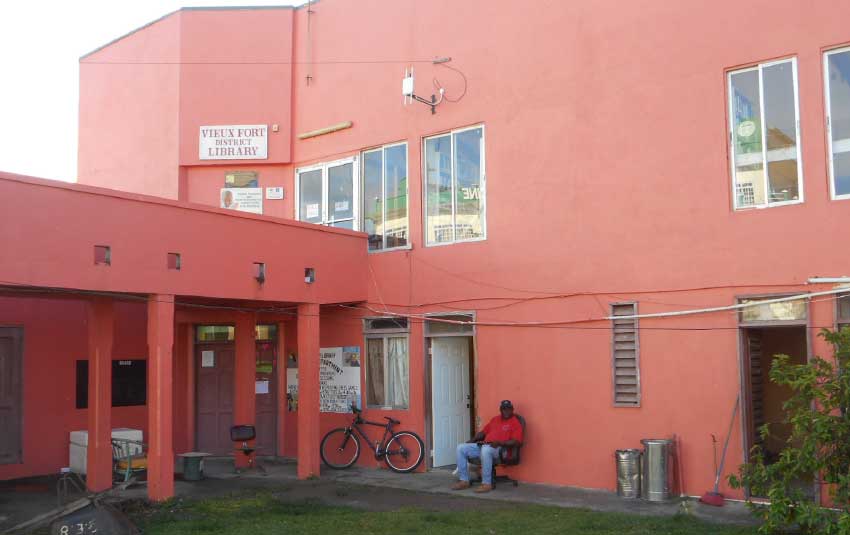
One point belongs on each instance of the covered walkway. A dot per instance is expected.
(159, 267)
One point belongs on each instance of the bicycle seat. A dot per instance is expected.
(392, 420)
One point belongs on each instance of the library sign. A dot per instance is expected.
(234, 142)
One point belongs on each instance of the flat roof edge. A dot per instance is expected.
(189, 8)
(162, 201)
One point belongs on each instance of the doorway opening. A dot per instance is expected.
(215, 358)
(451, 351)
(764, 398)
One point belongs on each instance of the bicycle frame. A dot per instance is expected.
(376, 446)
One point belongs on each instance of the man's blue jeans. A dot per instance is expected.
(488, 454)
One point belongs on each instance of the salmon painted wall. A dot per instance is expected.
(129, 103)
(55, 337)
(607, 180)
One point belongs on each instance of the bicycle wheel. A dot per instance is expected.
(405, 451)
(340, 448)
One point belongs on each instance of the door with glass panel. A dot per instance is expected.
(328, 194)
(765, 135)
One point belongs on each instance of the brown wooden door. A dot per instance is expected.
(214, 363)
(756, 377)
(11, 364)
(266, 404)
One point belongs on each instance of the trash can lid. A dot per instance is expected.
(647, 441)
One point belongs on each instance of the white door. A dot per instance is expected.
(450, 396)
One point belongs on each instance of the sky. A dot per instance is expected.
(40, 46)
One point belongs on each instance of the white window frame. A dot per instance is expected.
(384, 335)
(355, 187)
(482, 182)
(731, 118)
(845, 147)
(382, 149)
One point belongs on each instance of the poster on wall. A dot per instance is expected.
(234, 142)
(243, 199)
(339, 380)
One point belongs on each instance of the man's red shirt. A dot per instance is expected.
(502, 430)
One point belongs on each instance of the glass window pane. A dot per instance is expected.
(468, 201)
(215, 333)
(838, 74)
(373, 203)
(398, 373)
(438, 190)
(746, 132)
(395, 176)
(341, 192)
(375, 372)
(780, 116)
(386, 323)
(784, 311)
(436, 328)
(267, 332)
(310, 196)
(844, 307)
(349, 224)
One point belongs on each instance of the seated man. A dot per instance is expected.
(503, 431)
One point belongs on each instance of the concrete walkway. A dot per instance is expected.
(439, 481)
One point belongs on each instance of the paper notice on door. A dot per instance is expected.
(341, 206)
(261, 387)
(312, 211)
(207, 359)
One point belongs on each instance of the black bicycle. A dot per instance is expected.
(403, 452)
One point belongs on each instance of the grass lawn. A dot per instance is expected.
(265, 513)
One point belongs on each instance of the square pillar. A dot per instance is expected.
(282, 404)
(244, 377)
(160, 397)
(308, 390)
(101, 320)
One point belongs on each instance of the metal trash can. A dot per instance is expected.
(657, 469)
(628, 473)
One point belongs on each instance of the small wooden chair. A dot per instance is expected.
(129, 457)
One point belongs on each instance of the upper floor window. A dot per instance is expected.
(837, 75)
(765, 135)
(385, 197)
(455, 198)
(327, 194)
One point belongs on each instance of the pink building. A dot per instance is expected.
(584, 160)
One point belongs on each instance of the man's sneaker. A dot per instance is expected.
(484, 488)
(461, 485)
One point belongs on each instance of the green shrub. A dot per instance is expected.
(819, 446)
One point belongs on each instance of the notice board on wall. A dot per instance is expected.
(339, 379)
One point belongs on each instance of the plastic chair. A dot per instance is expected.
(129, 457)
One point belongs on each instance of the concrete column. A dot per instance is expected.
(244, 376)
(280, 371)
(99, 453)
(308, 390)
(160, 397)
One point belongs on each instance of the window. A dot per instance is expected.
(625, 355)
(387, 363)
(450, 325)
(787, 311)
(455, 198)
(385, 196)
(843, 302)
(766, 168)
(837, 84)
(327, 194)
(129, 383)
(227, 333)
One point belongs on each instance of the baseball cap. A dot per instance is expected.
(506, 404)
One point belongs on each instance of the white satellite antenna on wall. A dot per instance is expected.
(407, 85)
